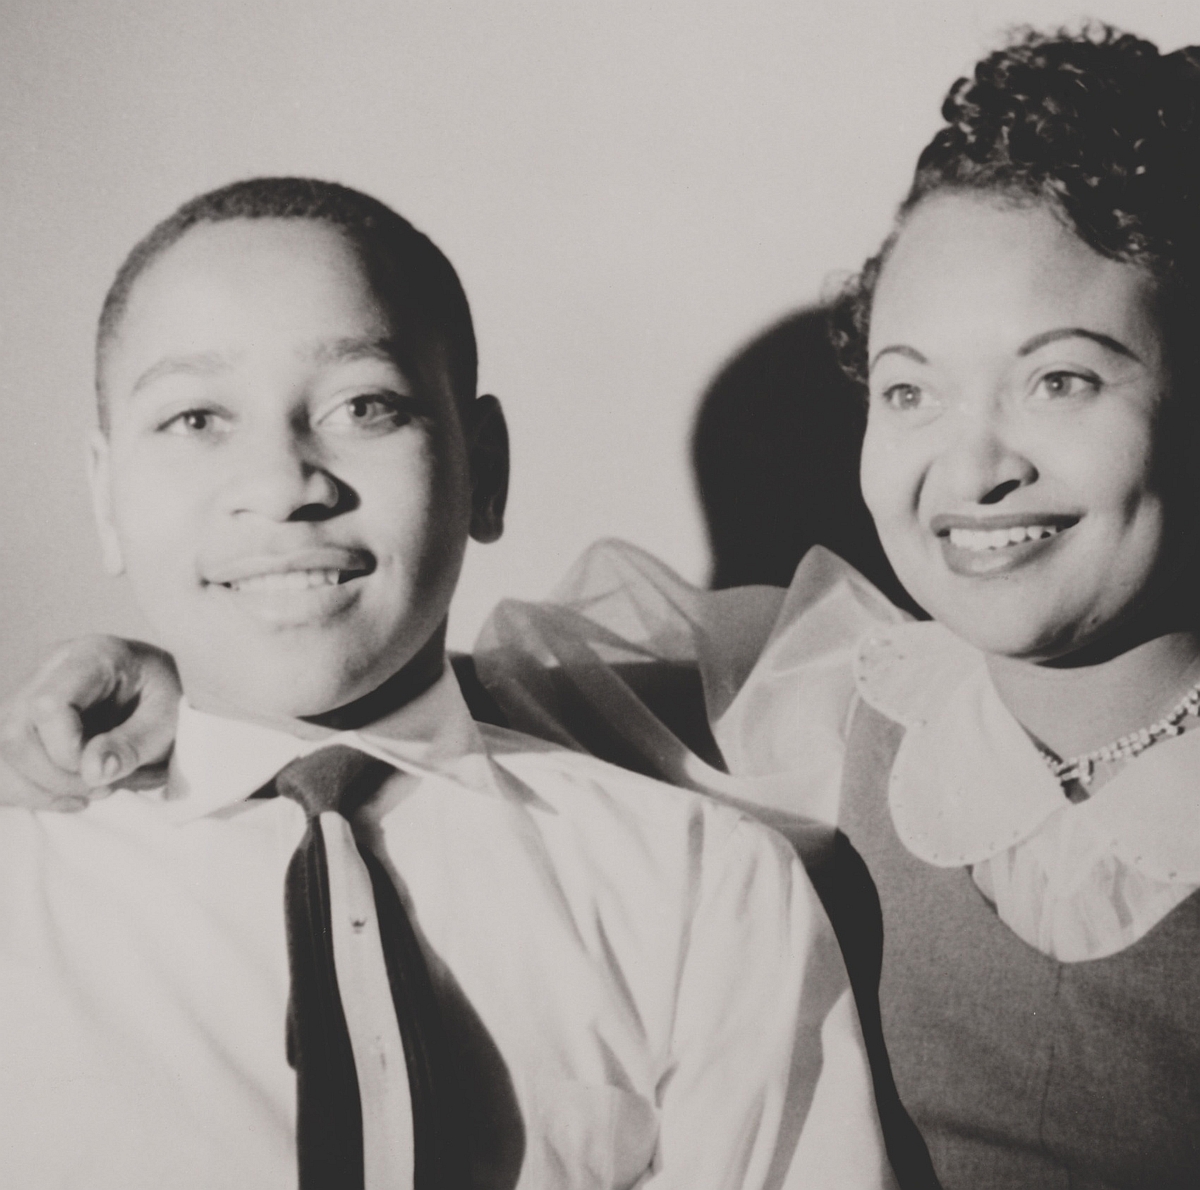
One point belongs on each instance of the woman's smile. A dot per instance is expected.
(982, 547)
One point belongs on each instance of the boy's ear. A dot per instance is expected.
(487, 452)
(99, 477)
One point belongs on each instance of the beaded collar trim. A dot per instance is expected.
(968, 783)
(1081, 768)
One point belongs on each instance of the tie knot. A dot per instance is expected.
(336, 778)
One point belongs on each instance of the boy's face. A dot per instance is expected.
(291, 507)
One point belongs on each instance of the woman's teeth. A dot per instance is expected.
(288, 580)
(997, 539)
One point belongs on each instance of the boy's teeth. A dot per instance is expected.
(996, 539)
(289, 580)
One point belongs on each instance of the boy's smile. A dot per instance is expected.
(294, 587)
(290, 503)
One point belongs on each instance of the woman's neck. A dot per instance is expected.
(1076, 709)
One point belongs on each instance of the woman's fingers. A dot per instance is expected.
(42, 723)
(59, 730)
(110, 758)
(143, 735)
(85, 688)
(28, 777)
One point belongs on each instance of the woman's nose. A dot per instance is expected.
(280, 477)
(983, 463)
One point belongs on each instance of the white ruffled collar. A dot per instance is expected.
(968, 783)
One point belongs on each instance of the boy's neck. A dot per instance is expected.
(396, 692)
(1077, 709)
(390, 696)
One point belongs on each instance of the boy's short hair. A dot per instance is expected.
(406, 269)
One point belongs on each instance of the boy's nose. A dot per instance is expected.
(282, 480)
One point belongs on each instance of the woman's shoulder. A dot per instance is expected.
(791, 714)
(743, 692)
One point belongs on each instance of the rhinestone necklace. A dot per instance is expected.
(1079, 768)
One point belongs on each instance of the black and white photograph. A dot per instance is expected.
(599, 595)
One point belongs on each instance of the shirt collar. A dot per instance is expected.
(968, 783)
(219, 761)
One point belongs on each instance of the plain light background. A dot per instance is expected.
(630, 191)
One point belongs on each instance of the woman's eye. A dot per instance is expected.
(1067, 384)
(903, 396)
(367, 411)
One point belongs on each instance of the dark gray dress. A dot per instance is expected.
(1021, 1071)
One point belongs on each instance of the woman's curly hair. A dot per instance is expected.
(1099, 126)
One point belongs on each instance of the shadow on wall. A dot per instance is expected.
(775, 451)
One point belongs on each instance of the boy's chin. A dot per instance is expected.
(303, 692)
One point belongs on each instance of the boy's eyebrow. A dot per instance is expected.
(386, 348)
(200, 363)
(370, 347)
(212, 363)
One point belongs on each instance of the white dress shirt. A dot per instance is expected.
(782, 673)
(641, 985)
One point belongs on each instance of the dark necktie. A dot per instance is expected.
(331, 784)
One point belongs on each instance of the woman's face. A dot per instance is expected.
(1011, 460)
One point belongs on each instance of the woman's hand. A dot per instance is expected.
(96, 711)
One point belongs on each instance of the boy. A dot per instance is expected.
(586, 978)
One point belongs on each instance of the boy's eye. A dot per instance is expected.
(368, 411)
(194, 422)
(1066, 384)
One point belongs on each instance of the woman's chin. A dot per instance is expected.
(1015, 633)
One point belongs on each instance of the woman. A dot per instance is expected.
(1021, 775)
(1027, 337)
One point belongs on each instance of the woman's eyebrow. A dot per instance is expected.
(1076, 332)
(898, 349)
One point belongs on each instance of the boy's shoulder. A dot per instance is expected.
(518, 752)
(591, 798)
